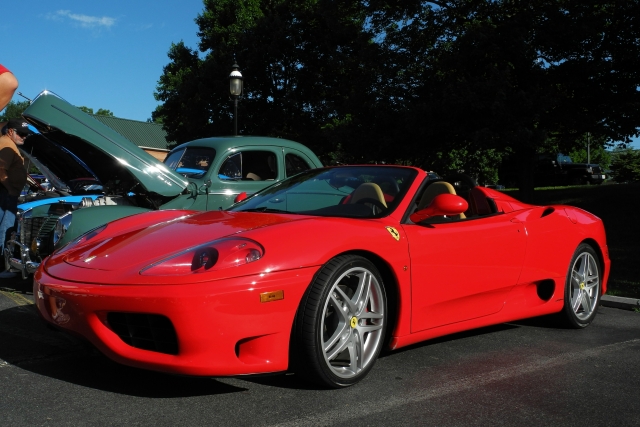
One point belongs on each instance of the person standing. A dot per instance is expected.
(13, 176)
(8, 86)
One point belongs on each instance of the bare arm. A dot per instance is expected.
(8, 85)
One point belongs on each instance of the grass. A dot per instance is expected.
(618, 205)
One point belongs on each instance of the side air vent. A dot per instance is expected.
(151, 332)
(547, 211)
(545, 289)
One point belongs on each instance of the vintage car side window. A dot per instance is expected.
(295, 164)
(254, 165)
(173, 159)
(192, 162)
(231, 168)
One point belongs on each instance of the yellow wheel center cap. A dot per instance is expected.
(354, 321)
(582, 286)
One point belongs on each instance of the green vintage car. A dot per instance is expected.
(204, 174)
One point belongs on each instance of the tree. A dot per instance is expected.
(625, 165)
(413, 82)
(13, 110)
(308, 68)
(100, 112)
(103, 112)
(515, 77)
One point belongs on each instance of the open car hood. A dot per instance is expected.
(73, 144)
(63, 165)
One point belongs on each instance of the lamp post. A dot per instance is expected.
(235, 88)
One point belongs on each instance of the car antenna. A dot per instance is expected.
(20, 93)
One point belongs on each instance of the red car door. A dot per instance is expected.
(462, 270)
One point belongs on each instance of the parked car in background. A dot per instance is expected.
(554, 170)
(204, 174)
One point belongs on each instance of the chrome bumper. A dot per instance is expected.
(24, 265)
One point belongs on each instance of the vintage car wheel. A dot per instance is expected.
(341, 323)
(582, 288)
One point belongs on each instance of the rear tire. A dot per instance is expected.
(582, 288)
(341, 323)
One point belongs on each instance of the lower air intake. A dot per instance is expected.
(151, 332)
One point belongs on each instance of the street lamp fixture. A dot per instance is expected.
(235, 89)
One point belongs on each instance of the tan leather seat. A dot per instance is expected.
(253, 176)
(436, 188)
(368, 190)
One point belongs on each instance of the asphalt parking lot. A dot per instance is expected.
(531, 372)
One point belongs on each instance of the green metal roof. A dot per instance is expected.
(143, 134)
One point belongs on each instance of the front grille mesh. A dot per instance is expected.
(29, 228)
(152, 332)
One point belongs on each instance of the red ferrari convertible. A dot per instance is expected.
(317, 273)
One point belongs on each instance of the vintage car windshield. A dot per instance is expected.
(191, 162)
(354, 191)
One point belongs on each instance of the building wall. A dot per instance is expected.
(158, 154)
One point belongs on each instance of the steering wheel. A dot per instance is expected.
(377, 206)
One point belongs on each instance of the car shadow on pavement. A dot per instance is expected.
(27, 343)
(452, 337)
(551, 321)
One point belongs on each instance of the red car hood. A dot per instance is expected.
(147, 244)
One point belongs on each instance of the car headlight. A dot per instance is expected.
(212, 256)
(61, 227)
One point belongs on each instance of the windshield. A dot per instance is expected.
(562, 158)
(350, 191)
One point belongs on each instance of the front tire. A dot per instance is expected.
(341, 323)
(582, 288)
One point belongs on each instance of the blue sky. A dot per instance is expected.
(98, 54)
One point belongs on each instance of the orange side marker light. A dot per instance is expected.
(271, 296)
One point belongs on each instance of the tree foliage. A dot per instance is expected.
(455, 84)
(100, 112)
(308, 68)
(13, 110)
(625, 166)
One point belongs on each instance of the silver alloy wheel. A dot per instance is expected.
(585, 285)
(352, 322)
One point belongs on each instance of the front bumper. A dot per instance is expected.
(222, 327)
(25, 265)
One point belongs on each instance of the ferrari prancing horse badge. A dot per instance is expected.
(394, 233)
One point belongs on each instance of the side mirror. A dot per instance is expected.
(442, 204)
(240, 197)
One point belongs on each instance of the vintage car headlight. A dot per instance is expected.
(212, 256)
(61, 227)
(86, 202)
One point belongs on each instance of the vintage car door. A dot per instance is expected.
(462, 270)
(248, 169)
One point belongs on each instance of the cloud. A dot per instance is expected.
(84, 20)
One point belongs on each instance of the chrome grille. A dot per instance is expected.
(29, 228)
